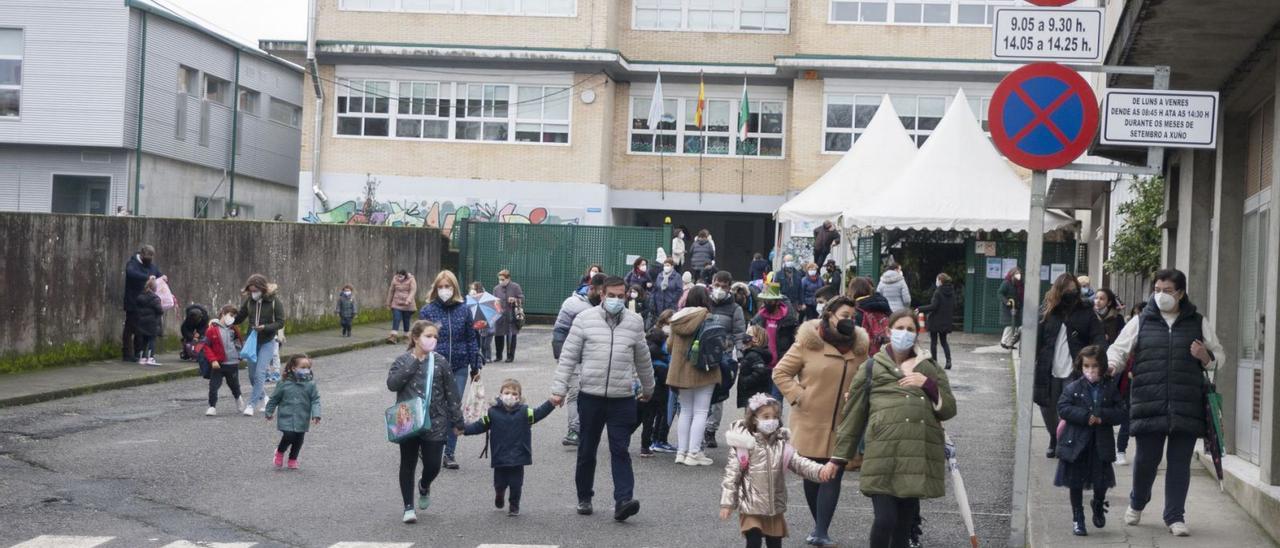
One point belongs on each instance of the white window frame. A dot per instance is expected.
(686, 7)
(524, 112)
(686, 106)
(345, 87)
(450, 91)
(22, 39)
(981, 94)
(518, 9)
(952, 21)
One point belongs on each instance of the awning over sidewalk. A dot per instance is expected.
(958, 181)
(877, 158)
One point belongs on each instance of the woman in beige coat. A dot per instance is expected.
(402, 299)
(813, 377)
(695, 386)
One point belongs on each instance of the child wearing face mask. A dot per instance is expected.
(1089, 408)
(222, 344)
(753, 368)
(509, 424)
(754, 481)
(297, 400)
(346, 309)
(809, 286)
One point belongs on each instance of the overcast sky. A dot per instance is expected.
(248, 20)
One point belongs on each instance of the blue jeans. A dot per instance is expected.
(401, 317)
(460, 377)
(258, 373)
(620, 416)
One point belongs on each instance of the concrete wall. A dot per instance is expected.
(69, 269)
(170, 188)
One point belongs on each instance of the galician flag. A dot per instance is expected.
(744, 113)
(702, 103)
(656, 105)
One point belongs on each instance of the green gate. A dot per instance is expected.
(869, 256)
(548, 261)
(982, 294)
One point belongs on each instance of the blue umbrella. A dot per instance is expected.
(487, 304)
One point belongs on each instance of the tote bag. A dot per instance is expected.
(409, 418)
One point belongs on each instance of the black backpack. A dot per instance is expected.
(712, 347)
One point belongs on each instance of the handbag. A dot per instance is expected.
(476, 404)
(410, 417)
(519, 317)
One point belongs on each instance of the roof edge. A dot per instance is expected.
(160, 11)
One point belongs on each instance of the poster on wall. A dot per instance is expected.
(994, 266)
(804, 229)
(1044, 272)
(1008, 265)
(1057, 269)
(985, 248)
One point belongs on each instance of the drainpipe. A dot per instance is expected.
(318, 123)
(137, 146)
(235, 134)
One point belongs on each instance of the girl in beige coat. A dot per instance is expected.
(695, 386)
(813, 377)
(755, 476)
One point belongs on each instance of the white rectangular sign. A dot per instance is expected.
(1048, 34)
(1175, 119)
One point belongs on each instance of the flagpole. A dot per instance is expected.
(742, 180)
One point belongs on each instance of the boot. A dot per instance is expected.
(1099, 507)
(1077, 521)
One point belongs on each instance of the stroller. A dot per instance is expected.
(194, 325)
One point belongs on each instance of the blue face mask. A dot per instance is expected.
(902, 339)
(302, 374)
(613, 305)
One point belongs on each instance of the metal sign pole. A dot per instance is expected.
(1026, 372)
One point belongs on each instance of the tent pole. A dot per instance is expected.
(1027, 348)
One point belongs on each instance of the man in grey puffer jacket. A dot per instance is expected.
(576, 304)
(893, 287)
(606, 352)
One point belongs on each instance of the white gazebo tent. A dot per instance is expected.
(958, 181)
(878, 157)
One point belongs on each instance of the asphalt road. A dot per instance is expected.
(144, 467)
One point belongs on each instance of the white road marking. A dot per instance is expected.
(63, 541)
(372, 545)
(188, 544)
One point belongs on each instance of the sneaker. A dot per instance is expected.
(409, 516)
(424, 499)
(663, 447)
(293, 464)
(450, 463)
(1132, 517)
(211, 412)
(240, 403)
(1179, 529)
(152, 361)
(680, 457)
(626, 510)
(697, 459)
(570, 439)
(142, 361)
(645, 452)
(584, 508)
(278, 461)
(263, 406)
(248, 411)
(391, 339)
(1120, 460)
(513, 511)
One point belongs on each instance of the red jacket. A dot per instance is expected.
(213, 343)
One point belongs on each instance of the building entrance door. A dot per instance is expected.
(1253, 297)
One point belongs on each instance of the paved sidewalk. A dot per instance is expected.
(74, 380)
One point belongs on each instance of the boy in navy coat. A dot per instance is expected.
(510, 426)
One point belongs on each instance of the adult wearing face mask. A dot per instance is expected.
(458, 341)
(678, 245)
(265, 314)
(780, 321)
(1172, 346)
(726, 313)
(606, 350)
(906, 462)
(1067, 325)
(809, 286)
(702, 252)
(814, 376)
(639, 274)
(506, 329)
(577, 303)
(939, 313)
(140, 269)
(788, 280)
(668, 287)
(1011, 307)
(402, 299)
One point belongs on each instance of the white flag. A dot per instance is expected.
(655, 105)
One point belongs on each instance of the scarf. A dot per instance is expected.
(844, 344)
(664, 279)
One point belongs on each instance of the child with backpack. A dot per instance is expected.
(653, 413)
(1088, 408)
(754, 483)
(510, 426)
(754, 375)
(149, 326)
(221, 354)
(346, 309)
(297, 400)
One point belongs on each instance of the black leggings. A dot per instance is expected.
(934, 338)
(410, 450)
(291, 441)
(1077, 497)
(822, 499)
(894, 518)
(755, 538)
(229, 373)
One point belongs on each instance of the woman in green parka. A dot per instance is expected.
(902, 423)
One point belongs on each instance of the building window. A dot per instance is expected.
(10, 72)
(284, 113)
(482, 112)
(718, 137)
(420, 112)
(916, 12)
(364, 107)
(188, 80)
(248, 101)
(217, 90)
(542, 114)
(82, 194)
(847, 116)
(560, 8)
(712, 15)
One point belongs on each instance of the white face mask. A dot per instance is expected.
(255, 294)
(613, 305)
(634, 295)
(666, 330)
(644, 267)
(813, 272)
(1017, 277)
(767, 426)
(818, 308)
(1166, 302)
(902, 340)
(1093, 374)
(509, 400)
(228, 320)
(445, 293)
(666, 268)
(718, 294)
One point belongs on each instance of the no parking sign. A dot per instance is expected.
(1043, 116)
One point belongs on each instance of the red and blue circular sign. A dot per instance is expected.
(1043, 116)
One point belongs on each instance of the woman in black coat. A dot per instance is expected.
(1067, 325)
(940, 311)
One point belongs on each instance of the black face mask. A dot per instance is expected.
(771, 305)
(845, 327)
(1070, 296)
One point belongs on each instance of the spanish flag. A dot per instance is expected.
(702, 103)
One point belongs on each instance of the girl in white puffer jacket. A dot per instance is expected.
(755, 476)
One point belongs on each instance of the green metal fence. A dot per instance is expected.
(869, 256)
(982, 294)
(548, 260)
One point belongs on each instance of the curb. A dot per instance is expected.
(191, 371)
